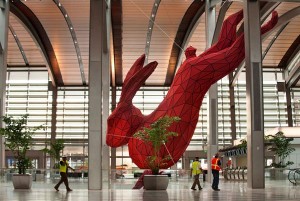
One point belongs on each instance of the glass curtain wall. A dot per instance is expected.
(27, 93)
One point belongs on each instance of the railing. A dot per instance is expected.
(294, 176)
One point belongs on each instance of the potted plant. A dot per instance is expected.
(156, 135)
(18, 138)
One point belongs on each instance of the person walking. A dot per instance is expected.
(215, 168)
(63, 170)
(196, 171)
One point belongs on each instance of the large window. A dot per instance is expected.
(28, 93)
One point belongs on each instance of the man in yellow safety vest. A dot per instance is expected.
(196, 171)
(63, 169)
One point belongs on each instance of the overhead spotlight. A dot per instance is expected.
(75, 42)
(152, 15)
(59, 4)
(71, 27)
(66, 15)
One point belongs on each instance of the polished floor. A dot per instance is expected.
(177, 190)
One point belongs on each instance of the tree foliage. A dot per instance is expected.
(157, 135)
(55, 151)
(281, 147)
(18, 139)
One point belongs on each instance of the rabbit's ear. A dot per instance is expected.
(136, 81)
(138, 64)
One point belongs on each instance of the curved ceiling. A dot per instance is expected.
(55, 34)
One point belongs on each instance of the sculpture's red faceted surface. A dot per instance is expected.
(184, 99)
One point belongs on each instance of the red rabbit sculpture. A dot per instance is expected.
(184, 98)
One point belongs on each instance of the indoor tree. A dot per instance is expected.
(18, 139)
(282, 148)
(156, 135)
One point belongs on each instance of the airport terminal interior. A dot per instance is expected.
(68, 64)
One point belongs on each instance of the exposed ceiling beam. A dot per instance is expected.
(221, 16)
(33, 24)
(18, 44)
(186, 26)
(293, 77)
(117, 27)
(290, 53)
(74, 38)
(282, 21)
(151, 23)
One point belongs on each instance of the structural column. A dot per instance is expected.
(212, 138)
(113, 152)
(254, 93)
(98, 95)
(289, 107)
(53, 119)
(4, 12)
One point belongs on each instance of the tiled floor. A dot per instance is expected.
(177, 190)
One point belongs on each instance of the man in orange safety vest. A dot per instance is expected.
(215, 168)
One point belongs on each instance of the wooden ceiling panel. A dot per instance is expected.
(283, 41)
(58, 32)
(79, 12)
(135, 23)
(31, 50)
(168, 19)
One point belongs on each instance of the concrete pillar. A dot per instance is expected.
(254, 91)
(289, 107)
(98, 95)
(232, 110)
(113, 152)
(4, 15)
(53, 118)
(212, 138)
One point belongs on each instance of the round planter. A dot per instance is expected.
(156, 182)
(22, 181)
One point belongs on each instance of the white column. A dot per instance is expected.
(4, 15)
(212, 138)
(105, 90)
(254, 91)
(98, 95)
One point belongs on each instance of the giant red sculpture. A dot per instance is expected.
(192, 81)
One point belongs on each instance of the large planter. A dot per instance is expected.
(156, 182)
(22, 181)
